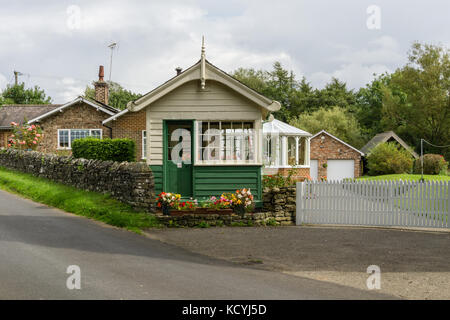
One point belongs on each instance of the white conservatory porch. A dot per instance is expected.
(285, 146)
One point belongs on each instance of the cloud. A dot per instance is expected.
(3, 81)
(317, 40)
(354, 74)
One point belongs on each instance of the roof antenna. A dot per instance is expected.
(202, 65)
(112, 46)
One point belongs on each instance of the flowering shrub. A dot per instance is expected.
(25, 136)
(432, 164)
(168, 199)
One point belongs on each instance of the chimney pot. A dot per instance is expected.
(101, 87)
(101, 73)
(178, 70)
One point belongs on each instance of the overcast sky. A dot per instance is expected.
(59, 45)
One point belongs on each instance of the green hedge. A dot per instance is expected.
(389, 158)
(104, 149)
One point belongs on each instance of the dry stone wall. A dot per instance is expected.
(129, 182)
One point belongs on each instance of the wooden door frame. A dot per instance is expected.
(165, 154)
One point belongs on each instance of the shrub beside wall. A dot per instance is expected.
(104, 149)
(388, 158)
(432, 164)
(131, 183)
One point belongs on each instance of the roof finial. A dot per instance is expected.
(203, 66)
(203, 45)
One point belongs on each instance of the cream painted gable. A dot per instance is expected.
(216, 102)
(212, 74)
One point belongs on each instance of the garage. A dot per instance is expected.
(314, 169)
(340, 169)
(334, 159)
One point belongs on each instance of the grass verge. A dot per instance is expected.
(84, 203)
(409, 177)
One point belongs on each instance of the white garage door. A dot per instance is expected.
(313, 171)
(340, 169)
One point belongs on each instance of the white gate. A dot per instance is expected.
(374, 203)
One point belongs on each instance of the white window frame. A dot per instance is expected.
(226, 162)
(144, 144)
(70, 132)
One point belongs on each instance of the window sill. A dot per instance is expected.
(226, 164)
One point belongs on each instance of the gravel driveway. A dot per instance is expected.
(414, 264)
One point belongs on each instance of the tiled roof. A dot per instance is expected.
(22, 112)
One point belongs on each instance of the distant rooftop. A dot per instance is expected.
(21, 112)
(386, 137)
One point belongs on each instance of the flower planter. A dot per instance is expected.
(201, 211)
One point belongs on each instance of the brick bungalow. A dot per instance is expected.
(333, 158)
(61, 124)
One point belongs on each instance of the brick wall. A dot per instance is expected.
(80, 116)
(299, 174)
(331, 149)
(130, 125)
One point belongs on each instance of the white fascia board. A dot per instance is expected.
(114, 117)
(345, 143)
(77, 100)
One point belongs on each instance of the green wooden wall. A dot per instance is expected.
(158, 178)
(214, 180)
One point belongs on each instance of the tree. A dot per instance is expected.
(281, 85)
(417, 102)
(118, 96)
(337, 121)
(336, 93)
(369, 104)
(18, 94)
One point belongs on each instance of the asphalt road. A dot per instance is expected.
(38, 243)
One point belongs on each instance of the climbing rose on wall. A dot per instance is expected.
(24, 136)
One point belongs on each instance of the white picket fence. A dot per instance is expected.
(374, 203)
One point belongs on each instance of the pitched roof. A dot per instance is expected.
(280, 127)
(93, 103)
(385, 137)
(20, 112)
(336, 138)
(193, 73)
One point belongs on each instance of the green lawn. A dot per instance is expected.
(410, 177)
(89, 204)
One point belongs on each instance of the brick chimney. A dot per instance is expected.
(101, 87)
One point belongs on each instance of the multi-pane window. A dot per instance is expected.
(144, 144)
(225, 141)
(67, 136)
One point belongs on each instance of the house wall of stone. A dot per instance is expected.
(332, 149)
(80, 116)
